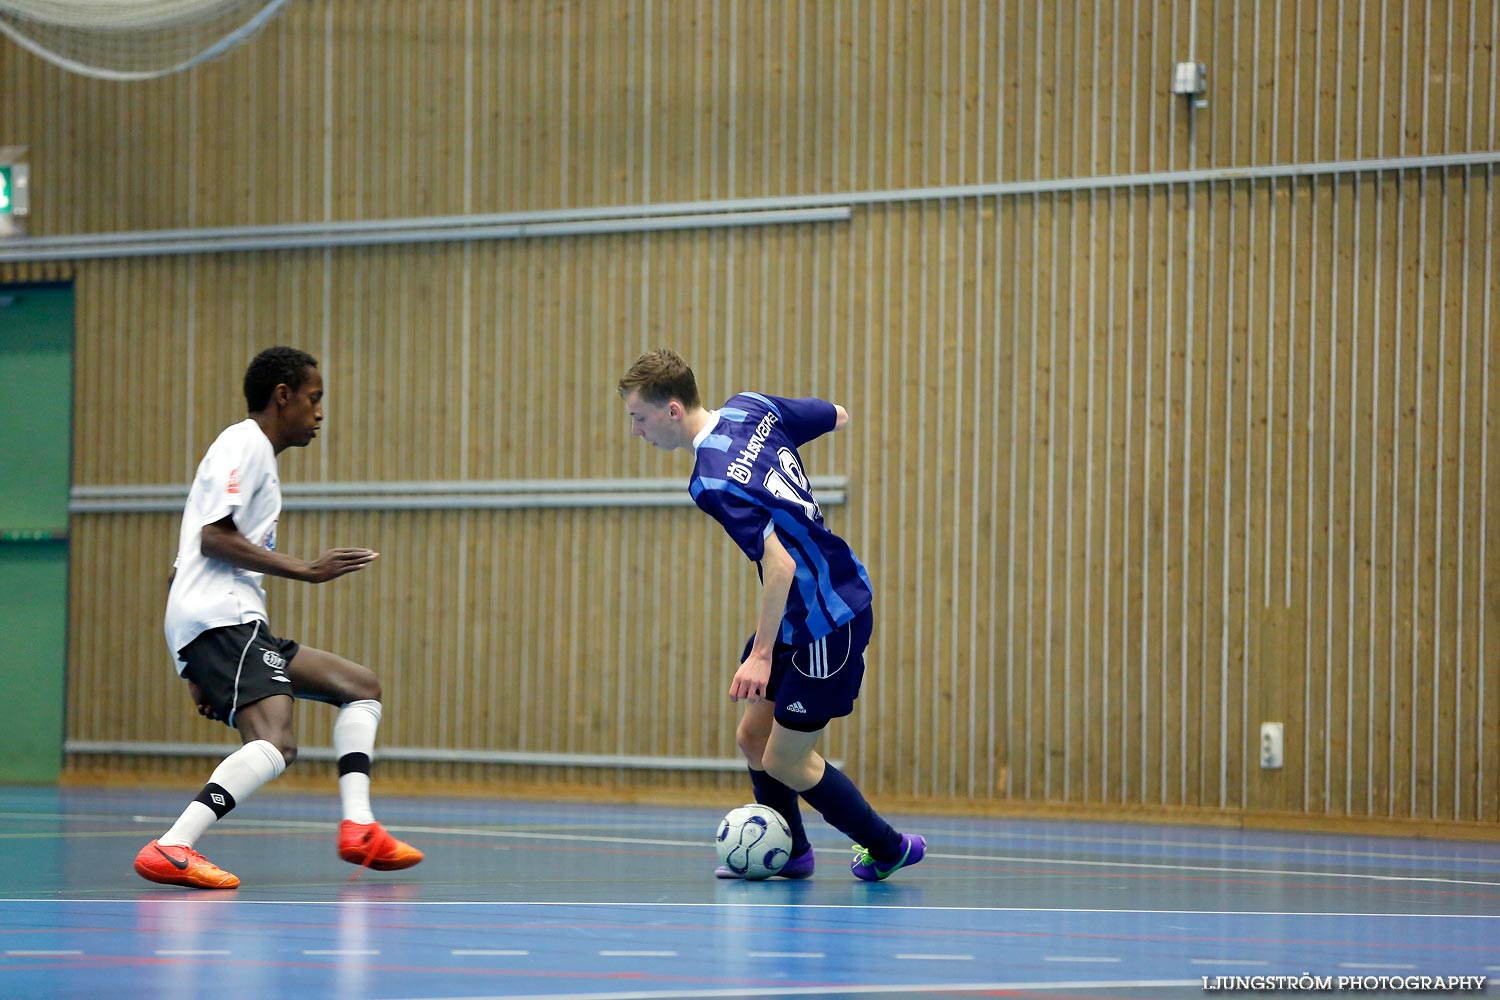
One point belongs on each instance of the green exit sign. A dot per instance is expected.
(14, 192)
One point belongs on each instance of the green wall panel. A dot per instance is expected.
(36, 419)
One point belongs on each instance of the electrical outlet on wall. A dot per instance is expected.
(1270, 744)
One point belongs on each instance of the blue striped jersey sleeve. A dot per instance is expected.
(802, 420)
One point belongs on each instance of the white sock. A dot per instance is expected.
(354, 746)
(238, 775)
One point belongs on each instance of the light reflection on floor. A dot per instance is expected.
(539, 899)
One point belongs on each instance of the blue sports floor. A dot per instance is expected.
(584, 901)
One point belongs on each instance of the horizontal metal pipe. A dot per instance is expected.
(1169, 178)
(247, 238)
(358, 487)
(521, 501)
(665, 215)
(495, 494)
(426, 755)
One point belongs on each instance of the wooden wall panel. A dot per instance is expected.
(1133, 469)
(1133, 473)
(27, 272)
(395, 108)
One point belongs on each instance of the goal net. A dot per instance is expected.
(132, 39)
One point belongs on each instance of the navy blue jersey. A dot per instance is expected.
(749, 477)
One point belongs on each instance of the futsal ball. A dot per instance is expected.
(754, 841)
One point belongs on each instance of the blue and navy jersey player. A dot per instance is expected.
(749, 476)
(805, 663)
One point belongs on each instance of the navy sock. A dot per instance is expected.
(842, 805)
(770, 792)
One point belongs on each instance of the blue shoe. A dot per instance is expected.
(799, 867)
(913, 847)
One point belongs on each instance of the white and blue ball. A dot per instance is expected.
(754, 841)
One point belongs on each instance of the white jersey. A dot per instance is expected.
(236, 478)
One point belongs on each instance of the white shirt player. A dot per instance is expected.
(237, 478)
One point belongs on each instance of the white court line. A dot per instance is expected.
(785, 954)
(936, 958)
(639, 954)
(973, 834)
(1103, 959)
(341, 951)
(40, 953)
(451, 831)
(1374, 965)
(802, 907)
(839, 988)
(187, 952)
(1007, 859)
(1226, 961)
(1210, 869)
(489, 951)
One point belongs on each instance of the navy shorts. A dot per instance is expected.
(238, 665)
(812, 684)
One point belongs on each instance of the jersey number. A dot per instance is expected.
(789, 483)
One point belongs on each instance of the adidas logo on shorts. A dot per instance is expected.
(796, 706)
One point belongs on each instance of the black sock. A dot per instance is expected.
(770, 792)
(217, 798)
(842, 805)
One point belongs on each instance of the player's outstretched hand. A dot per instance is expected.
(337, 562)
(204, 708)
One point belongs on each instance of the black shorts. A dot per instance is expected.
(238, 665)
(813, 684)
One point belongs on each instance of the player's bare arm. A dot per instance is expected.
(842, 418)
(777, 573)
(223, 541)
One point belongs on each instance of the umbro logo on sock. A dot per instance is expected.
(796, 706)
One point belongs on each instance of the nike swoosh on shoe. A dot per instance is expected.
(179, 865)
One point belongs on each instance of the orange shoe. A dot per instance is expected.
(370, 846)
(181, 866)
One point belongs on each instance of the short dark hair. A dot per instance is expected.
(661, 376)
(272, 367)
